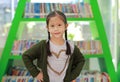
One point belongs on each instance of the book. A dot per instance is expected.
(36, 10)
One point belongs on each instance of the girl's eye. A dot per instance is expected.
(59, 24)
(52, 25)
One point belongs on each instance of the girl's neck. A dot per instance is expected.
(57, 41)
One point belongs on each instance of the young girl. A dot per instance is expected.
(58, 60)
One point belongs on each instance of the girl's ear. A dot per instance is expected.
(47, 28)
(66, 26)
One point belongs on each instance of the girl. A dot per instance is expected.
(58, 60)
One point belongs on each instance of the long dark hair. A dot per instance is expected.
(63, 17)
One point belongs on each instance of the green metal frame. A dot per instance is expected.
(105, 59)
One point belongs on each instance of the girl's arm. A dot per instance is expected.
(28, 57)
(40, 77)
(78, 63)
(73, 80)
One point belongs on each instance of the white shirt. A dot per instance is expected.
(57, 63)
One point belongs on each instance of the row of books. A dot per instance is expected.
(90, 47)
(18, 71)
(93, 76)
(18, 74)
(85, 76)
(40, 10)
(86, 47)
(22, 45)
(19, 79)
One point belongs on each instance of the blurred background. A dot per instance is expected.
(109, 9)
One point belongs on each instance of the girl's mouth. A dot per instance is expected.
(57, 33)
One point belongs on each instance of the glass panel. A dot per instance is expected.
(119, 9)
(7, 8)
(77, 30)
(83, 34)
(32, 30)
(91, 72)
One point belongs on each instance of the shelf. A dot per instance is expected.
(15, 57)
(87, 56)
(69, 19)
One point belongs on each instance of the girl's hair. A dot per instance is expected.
(63, 17)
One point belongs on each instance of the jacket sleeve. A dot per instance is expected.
(28, 57)
(78, 63)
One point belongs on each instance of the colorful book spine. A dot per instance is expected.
(36, 10)
(93, 76)
(21, 46)
(90, 47)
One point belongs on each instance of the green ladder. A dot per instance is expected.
(105, 59)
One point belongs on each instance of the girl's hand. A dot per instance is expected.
(40, 77)
(73, 80)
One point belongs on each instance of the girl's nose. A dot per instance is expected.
(56, 28)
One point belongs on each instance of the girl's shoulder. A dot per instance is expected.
(42, 42)
(72, 46)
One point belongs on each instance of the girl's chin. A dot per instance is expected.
(57, 36)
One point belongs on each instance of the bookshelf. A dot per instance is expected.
(105, 59)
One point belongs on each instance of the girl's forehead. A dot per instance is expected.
(56, 18)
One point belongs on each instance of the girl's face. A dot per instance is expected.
(56, 27)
